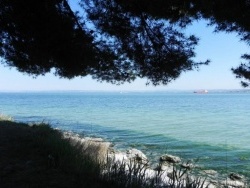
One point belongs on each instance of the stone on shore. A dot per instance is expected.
(164, 166)
(234, 184)
(234, 176)
(117, 156)
(136, 155)
(188, 166)
(210, 172)
(170, 158)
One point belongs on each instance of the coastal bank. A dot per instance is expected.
(39, 156)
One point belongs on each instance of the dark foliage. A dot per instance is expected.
(125, 39)
(39, 35)
(153, 48)
(243, 71)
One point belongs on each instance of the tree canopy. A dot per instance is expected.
(115, 40)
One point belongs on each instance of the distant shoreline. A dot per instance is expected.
(125, 91)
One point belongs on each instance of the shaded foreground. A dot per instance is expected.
(39, 156)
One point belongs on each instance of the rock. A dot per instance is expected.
(232, 183)
(116, 156)
(92, 139)
(177, 176)
(187, 166)
(137, 155)
(234, 176)
(164, 166)
(213, 182)
(210, 172)
(170, 158)
(158, 168)
(170, 175)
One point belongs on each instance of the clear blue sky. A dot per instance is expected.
(224, 51)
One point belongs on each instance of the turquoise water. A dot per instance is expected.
(213, 128)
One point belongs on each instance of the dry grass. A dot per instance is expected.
(96, 149)
(38, 156)
(5, 118)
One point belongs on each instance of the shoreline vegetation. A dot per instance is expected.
(40, 156)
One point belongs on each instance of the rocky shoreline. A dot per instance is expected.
(168, 168)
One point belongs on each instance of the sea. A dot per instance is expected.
(211, 130)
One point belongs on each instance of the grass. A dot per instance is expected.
(39, 156)
(5, 118)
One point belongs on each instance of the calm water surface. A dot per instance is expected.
(213, 127)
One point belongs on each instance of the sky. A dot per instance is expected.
(224, 51)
